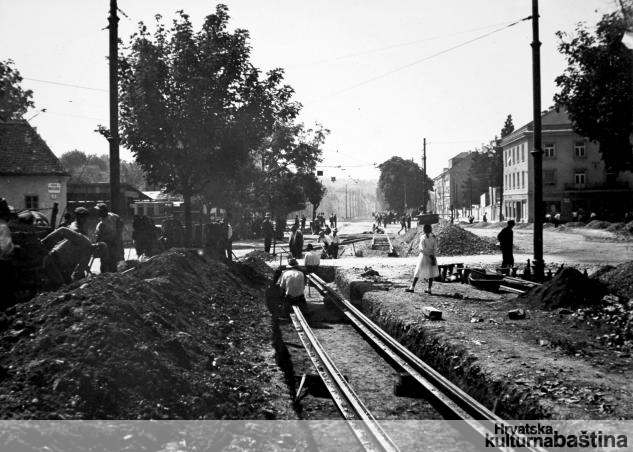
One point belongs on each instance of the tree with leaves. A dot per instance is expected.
(193, 107)
(596, 88)
(14, 101)
(400, 184)
(92, 168)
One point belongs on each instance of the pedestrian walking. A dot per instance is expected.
(506, 239)
(408, 221)
(268, 231)
(426, 267)
(303, 223)
(403, 224)
(485, 218)
(296, 242)
(335, 244)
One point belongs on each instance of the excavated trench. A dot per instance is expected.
(372, 377)
(454, 363)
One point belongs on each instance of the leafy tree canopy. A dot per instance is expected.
(401, 183)
(508, 127)
(193, 107)
(14, 101)
(596, 88)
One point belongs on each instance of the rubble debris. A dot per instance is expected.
(432, 313)
(618, 280)
(569, 288)
(516, 314)
(369, 272)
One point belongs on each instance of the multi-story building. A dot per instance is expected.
(574, 176)
(451, 191)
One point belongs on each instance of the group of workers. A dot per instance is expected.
(70, 249)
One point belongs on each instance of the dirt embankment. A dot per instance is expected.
(180, 337)
(566, 359)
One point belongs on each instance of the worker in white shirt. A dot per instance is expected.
(333, 251)
(326, 242)
(293, 284)
(312, 259)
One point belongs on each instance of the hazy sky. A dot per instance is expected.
(365, 69)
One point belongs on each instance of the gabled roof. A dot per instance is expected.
(24, 152)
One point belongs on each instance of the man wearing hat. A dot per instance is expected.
(109, 230)
(506, 240)
(267, 229)
(293, 284)
(79, 223)
(312, 259)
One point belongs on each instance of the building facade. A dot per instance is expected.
(574, 176)
(31, 177)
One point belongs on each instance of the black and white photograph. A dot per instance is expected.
(335, 225)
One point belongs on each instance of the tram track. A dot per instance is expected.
(448, 399)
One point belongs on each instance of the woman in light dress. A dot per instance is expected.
(427, 264)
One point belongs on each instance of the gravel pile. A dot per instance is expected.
(569, 288)
(452, 241)
(619, 280)
(180, 337)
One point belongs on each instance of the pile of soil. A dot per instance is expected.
(618, 280)
(180, 337)
(569, 288)
(452, 241)
(261, 255)
(597, 224)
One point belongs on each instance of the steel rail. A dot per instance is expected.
(368, 432)
(449, 398)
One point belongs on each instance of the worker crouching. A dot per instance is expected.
(109, 230)
(293, 284)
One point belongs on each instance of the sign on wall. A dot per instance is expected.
(54, 187)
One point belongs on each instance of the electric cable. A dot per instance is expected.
(413, 63)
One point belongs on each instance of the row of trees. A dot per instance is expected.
(201, 119)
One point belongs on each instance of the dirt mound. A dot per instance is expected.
(616, 227)
(629, 227)
(569, 288)
(597, 224)
(619, 280)
(575, 224)
(258, 254)
(180, 337)
(452, 241)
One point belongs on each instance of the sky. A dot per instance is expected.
(381, 76)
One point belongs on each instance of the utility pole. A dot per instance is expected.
(346, 217)
(537, 152)
(115, 191)
(424, 176)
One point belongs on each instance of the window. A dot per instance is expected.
(579, 149)
(31, 202)
(549, 177)
(523, 152)
(523, 179)
(549, 151)
(579, 178)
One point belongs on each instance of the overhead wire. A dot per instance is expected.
(395, 46)
(442, 52)
(68, 85)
